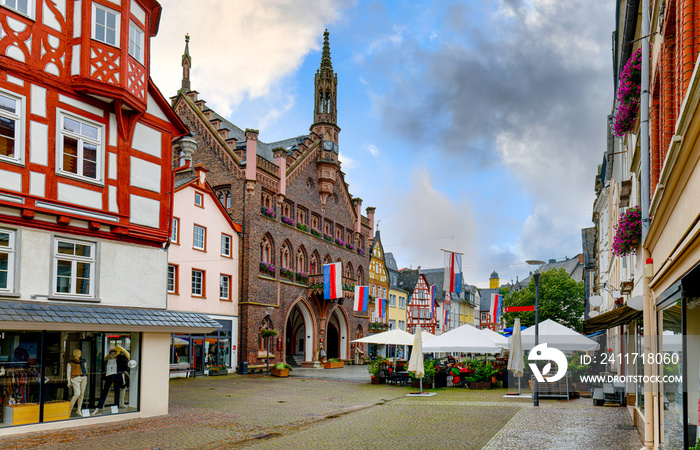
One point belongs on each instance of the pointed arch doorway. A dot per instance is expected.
(337, 337)
(299, 333)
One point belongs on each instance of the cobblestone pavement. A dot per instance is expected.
(255, 411)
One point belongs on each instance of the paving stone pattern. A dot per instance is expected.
(260, 412)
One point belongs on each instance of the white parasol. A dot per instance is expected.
(515, 357)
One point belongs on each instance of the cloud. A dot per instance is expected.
(422, 220)
(372, 149)
(239, 48)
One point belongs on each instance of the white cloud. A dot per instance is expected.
(238, 48)
(372, 149)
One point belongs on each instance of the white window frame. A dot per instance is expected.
(19, 119)
(74, 260)
(136, 42)
(194, 237)
(201, 282)
(225, 245)
(10, 250)
(172, 279)
(28, 13)
(106, 10)
(222, 285)
(61, 133)
(175, 236)
(199, 199)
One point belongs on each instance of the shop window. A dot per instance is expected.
(80, 147)
(7, 260)
(11, 126)
(105, 25)
(74, 267)
(85, 374)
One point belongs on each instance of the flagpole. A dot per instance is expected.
(450, 251)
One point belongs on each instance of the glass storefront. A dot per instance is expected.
(203, 351)
(59, 375)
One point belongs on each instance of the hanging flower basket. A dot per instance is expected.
(628, 91)
(628, 232)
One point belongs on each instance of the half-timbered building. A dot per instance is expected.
(85, 183)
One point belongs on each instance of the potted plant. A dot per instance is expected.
(280, 369)
(375, 369)
(479, 373)
(219, 369)
(269, 332)
(628, 232)
(628, 92)
(333, 363)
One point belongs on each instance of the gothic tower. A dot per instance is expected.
(325, 126)
(186, 65)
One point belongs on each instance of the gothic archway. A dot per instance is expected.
(337, 334)
(299, 332)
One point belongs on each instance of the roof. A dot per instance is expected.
(103, 318)
(408, 278)
(390, 262)
(485, 303)
(572, 266)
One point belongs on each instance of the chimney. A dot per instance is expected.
(201, 173)
(280, 155)
(370, 215)
(580, 258)
(251, 158)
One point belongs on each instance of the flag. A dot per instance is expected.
(332, 283)
(433, 293)
(496, 300)
(453, 272)
(361, 298)
(381, 308)
(447, 315)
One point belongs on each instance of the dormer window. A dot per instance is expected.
(136, 42)
(105, 25)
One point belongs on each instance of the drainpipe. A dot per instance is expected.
(651, 415)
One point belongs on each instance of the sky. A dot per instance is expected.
(471, 126)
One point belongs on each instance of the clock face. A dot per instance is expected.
(328, 145)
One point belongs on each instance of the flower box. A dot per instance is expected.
(279, 372)
(480, 385)
(333, 364)
(217, 373)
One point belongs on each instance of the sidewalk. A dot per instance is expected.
(256, 411)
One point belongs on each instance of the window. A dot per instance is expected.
(392, 300)
(402, 302)
(175, 237)
(199, 238)
(173, 280)
(21, 6)
(74, 267)
(80, 147)
(7, 260)
(10, 127)
(136, 42)
(225, 287)
(198, 199)
(402, 325)
(198, 279)
(225, 245)
(392, 324)
(105, 25)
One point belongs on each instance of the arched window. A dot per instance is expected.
(301, 215)
(327, 259)
(286, 209)
(224, 196)
(267, 249)
(348, 271)
(314, 264)
(339, 232)
(300, 262)
(360, 276)
(266, 200)
(285, 256)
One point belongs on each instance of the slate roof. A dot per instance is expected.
(99, 316)
(183, 181)
(572, 266)
(390, 262)
(408, 279)
(486, 298)
(264, 149)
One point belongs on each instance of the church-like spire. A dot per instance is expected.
(186, 65)
(326, 92)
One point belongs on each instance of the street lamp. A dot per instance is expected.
(536, 276)
(268, 312)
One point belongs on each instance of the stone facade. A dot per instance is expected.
(294, 186)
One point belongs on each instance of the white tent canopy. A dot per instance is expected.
(463, 339)
(558, 336)
(497, 338)
(391, 337)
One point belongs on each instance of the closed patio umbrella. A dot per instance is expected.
(515, 357)
(415, 364)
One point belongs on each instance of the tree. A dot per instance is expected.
(561, 299)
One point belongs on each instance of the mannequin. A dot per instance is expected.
(123, 371)
(112, 377)
(77, 376)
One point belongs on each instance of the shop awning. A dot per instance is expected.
(50, 316)
(619, 316)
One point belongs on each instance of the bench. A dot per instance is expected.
(258, 368)
(185, 368)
